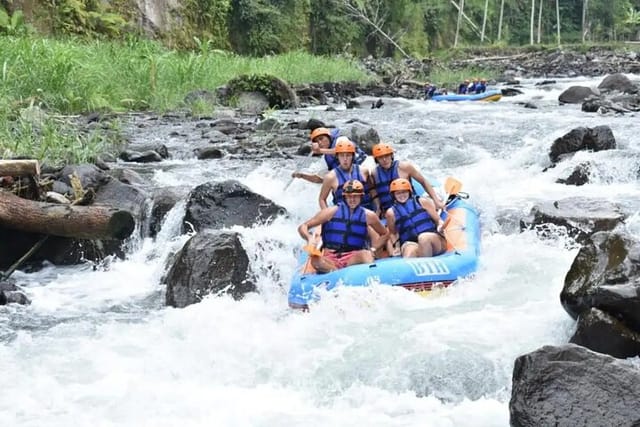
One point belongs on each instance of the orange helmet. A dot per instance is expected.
(318, 132)
(400, 184)
(381, 149)
(343, 145)
(353, 187)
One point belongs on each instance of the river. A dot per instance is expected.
(97, 347)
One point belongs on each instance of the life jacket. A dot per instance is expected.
(383, 180)
(343, 177)
(345, 232)
(411, 220)
(462, 89)
(331, 160)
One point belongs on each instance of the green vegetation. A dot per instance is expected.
(72, 76)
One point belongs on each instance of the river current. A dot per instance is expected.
(97, 347)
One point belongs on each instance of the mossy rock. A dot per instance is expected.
(277, 91)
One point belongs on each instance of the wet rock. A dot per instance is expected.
(129, 177)
(570, 385)
(605, 274)
(143, 157)
(12, 294)
(618, 82)
(277, 92)
(163, 200)
(510, 91)
(578, 215)
(582, 138)
(579, 176)
(208, 153)
(602, 332)
(225, 204)
(269, 125)
(90, 176)
(576, 94)
(210, 262)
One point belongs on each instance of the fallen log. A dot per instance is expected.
(19, 168)
(80, 222)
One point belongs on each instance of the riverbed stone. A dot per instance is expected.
(212, 261)
(570, 385)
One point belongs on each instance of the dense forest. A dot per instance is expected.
(357, 27)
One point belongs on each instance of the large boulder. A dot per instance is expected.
(604, 333)
(573, 386)
(225, 204)
(210, 262)
(278, 93)
(618, 82)
(576, 94)
(578, 215)
(582, 138)
(605, 274)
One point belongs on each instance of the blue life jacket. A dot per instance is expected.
(344, 232)
(481, 88)
(412, 220)
(331, 160)
(462, 89)
(353, 175)
(383, 180)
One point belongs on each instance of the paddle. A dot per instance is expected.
(451, 186)
(312, 250)
(303, 163)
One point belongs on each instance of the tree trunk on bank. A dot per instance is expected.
(533, 14)
(19, 168)
(540, 22)
(80, 222)
(558, 20)
(500, 20)
(484, 19)
(460, 12)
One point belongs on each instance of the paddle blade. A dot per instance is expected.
(312, 250)
(452, 186)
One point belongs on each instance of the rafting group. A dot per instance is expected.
(375, 212)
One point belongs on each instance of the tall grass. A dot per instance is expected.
(64, 77)
(73, 76)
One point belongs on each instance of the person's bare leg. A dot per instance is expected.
(363, 256)
(409, 250)
(322, 264)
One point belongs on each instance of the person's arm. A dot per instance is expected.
(383, 234)
(311, 177)
(414, 173)
(318, 219)
(327, 182)
(373, 193)
(360, 156)
(432, 212)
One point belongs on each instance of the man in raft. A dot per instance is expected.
(323, 141)
(344, 232)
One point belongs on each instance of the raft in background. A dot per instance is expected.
(488, 96)
(462, 231)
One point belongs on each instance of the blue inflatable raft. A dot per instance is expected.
(462, 231)
(488, 96)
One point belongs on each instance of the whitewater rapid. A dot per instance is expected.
(97, 347)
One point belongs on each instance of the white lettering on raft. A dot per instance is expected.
(427, 267)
